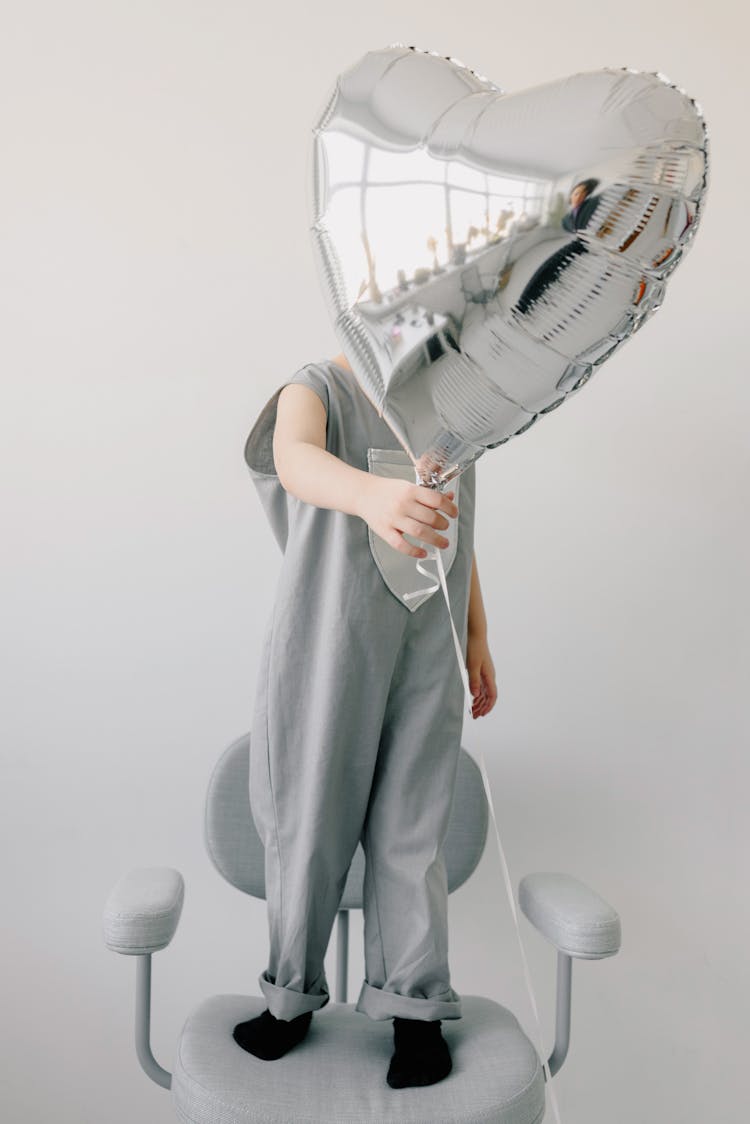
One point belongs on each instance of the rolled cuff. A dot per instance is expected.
(286, 1003)
(381, 1004)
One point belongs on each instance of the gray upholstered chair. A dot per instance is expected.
(337, 1074)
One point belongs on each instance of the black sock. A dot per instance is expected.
(421, 1055)
(268, 1037)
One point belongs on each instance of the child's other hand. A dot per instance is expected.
(481, 674)
(392, 507)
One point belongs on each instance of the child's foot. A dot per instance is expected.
(268, 1037)
(421, 1056)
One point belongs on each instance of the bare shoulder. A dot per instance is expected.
(300, 393)
(300, 415)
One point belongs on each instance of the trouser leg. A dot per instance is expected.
(405, 887)
(311, 764)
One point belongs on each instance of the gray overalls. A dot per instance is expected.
(357, 726)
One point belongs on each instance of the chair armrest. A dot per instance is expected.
(575, 919)
(142, 912)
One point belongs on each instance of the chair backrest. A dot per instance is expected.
(236, 850)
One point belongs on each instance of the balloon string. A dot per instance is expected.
(428, 588)
(434, 553)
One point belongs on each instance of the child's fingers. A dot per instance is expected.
(481, 709)
(428, 517)
(430, 497)
(395, 538)
(478, 701)
(486, 697)
(424, 532)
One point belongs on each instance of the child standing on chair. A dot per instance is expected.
(358, 713)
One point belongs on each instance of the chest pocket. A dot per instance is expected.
(399, 571)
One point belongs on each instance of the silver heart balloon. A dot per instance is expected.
(482, 253)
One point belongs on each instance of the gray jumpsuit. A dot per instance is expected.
(357, 726)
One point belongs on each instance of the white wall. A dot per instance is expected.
(157, 284)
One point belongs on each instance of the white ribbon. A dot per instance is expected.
(433, 552)
(427, 588)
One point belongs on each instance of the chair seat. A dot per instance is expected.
(336, 1075)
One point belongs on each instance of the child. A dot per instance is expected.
(358, 713)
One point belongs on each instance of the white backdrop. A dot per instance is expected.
(156, 285)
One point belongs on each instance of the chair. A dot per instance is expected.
(337, 1074)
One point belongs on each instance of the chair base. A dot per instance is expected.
(337, 1074)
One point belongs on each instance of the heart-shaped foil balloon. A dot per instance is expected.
(482, 253)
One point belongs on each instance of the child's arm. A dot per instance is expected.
(478, 659)
(477, 622)
(312, 474)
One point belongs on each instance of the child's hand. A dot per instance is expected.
(392, 507)
(481, 674)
